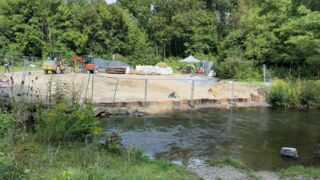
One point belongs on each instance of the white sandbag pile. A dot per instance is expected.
(153, 70)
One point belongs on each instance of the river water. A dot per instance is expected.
(251, 135)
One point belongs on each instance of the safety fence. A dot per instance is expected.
(117, 90)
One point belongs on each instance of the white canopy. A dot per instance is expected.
(190, 59)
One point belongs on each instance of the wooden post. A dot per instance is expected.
(85, 97)
(92, 88)
(115, 92)
(232, 92)
(192, 92)
(145, 92)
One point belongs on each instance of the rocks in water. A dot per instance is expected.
(107, 111)
(289, 152)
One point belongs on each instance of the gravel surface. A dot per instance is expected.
(229, 173)
(131, 88)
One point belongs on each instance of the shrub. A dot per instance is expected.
(175, 64)
(67, 123)
(299, 93)
(236, 68)
(7, 168)
(281, 94)
(310, 94)
(6, 123)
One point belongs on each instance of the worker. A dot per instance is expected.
(6, 66)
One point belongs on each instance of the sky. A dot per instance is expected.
(111, 1)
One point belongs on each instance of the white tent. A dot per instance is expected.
(190, 59)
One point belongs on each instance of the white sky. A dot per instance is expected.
(111, 1)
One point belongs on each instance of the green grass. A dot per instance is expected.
(88, 161)
(228, 161)
(305, 172)
(20, 68)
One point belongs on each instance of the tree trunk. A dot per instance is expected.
(164, 51)
(290, 70)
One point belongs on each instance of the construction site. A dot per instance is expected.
(113, 84)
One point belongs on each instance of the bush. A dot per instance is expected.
(67, 123)
(174, 64)
(7, 168)
(238, 69)
(310, 94)
(6, 123)
(281, 94)
(296, 93)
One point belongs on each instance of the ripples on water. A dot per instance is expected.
(252, 135)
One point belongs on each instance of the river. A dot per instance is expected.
(251, 135)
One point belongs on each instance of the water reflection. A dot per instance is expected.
(253, 135)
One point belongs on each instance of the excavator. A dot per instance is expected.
(85, 63)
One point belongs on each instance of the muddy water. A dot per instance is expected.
(252, 135)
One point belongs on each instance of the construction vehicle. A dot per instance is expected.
(54, 63)
(85, 63)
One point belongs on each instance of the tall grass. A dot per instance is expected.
(61, 139)
(304, 94)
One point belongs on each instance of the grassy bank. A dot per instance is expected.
(82, 161)
(66, 141)
(298, 93)
(294, 172)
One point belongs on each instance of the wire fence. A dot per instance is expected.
(20, 60)
(121, 90)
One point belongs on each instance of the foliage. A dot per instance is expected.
(6, 123)
(228, 161)
(66, 123)
(175, 64)
(7, 168)
(284, 34)
(281, 94)
(89, 161)
(296, 93)
(238, 69)
(310, 94)
(300, 171)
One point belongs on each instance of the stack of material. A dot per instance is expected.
(114, 70)
(111, 67)
(153, 70)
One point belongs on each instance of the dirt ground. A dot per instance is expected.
(131, 88)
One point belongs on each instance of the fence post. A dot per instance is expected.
(232, 92)
(264, 73)
(115, 92)
(92, 88)
(145, 92)
(85, 97)
(192, 92)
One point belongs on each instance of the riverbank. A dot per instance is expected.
(66, 142)
(227, 168)
(159, 108)
(30, 160)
